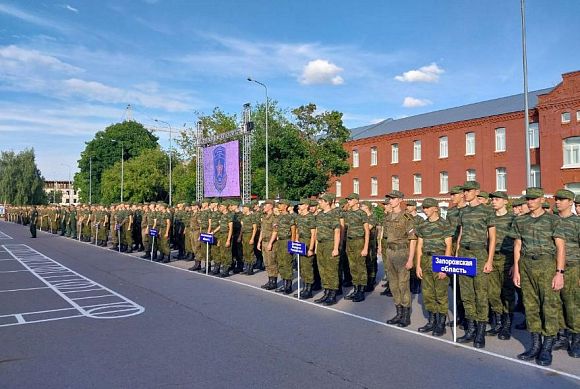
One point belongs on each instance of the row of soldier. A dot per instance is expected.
(343, 243)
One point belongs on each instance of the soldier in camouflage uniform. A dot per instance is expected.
(71, 230)
(163, 217)
(328, 232)
(501, 291)
(222, 226)
(266, 244)
(569, 318)
(539, 264)
(180, 217)
(411, 209)
(398, 249)
(371, 259)
(434, 237)
(248, 237)
(285, 227)
(357, 246)
(64, 221)
(306, 233)
(476, 234)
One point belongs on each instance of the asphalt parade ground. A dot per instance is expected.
(73, 315)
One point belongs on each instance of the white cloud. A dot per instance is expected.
(428, 73)
(321, 71)
(411, 102)
(27, 17)
(71, 8)
(15, 58)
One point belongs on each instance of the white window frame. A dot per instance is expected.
(500, 140)
(534, 135)
(535, 175)
(470, 175)
(395, 183)
(443, 147)
(571, 152)
(443, 182)
(501, 179)
(470, 143)
(578, 116)
(374, 186)
(338, 187)
(395, 153)
(355, 158)
(563, 118)
(355, 186)
(374, 156)
(417, 184)
(417, 150)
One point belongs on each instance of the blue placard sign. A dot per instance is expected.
(117, 227)
(296, 248)
(455, 265)
(206, 238)
(153, 232)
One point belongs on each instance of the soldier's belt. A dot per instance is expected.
(355, 237)
(473, 246)
(537, 257)
(397, 246)
(504, 252)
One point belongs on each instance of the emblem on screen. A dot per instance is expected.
(220, 176)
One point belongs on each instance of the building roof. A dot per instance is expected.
(482, 109)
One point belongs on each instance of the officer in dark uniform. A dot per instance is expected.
(33, 219)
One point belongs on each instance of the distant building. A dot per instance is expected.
(425, 155)
(69, 195)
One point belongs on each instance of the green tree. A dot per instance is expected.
(217, 122)
(184, 183)
(20, 180)
(146, 178)
(105, 150)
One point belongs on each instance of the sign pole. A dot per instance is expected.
(152, 247)
(206, 258)
(119, 235)
(454, 308)
(298, 260)
(96, 233)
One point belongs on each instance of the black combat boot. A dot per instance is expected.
(522, 326)
(287, 287)
(324, 296)
(115, 247)
(439, 328)
(165, 259)
(155, 255)
(430, 323)
(249, 269)
(562, 342)
(225, 271)
(331, 299)
(544, 358)
(532, 352)
(272, 283)
(216, 269)
(370, 286)
(306, 292)
(351, 294)
(574, 350)
(147, 255)
(398, 316)
(196, 266)
(282, 287)
(505, 332)
(359, 295)
(162, 258)
(479, 341)
(405, 318)
(469, 333)
(387, 292)
(495, 324)
(128, 249)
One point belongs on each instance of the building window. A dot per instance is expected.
(572, 152)
(470, 143)
(534, 136)
(395, 183)
(355, 158)
(374, 186)
(374, 156)
(355, 186)
(535, 175)
(501, 179)
(443, 147)
(338, 188)
(500, 140)
(470, 175)
(443, 182)
(417, 188)
(417, 150)
(573, 186)
(578, 116)
(395, 153)
(565, 117)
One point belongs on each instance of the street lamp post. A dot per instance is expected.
(90, 180)
(526, 107)
(170, 155)
(267, 104)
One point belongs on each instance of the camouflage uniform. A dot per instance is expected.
(355, 242)
(284, 226)
(305, 224)
(267, 228)
(248, 222)
(326, 224)
(570, 317)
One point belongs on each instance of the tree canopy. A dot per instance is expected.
(20, 180)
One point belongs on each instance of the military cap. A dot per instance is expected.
(564, 194)
(412, 203)
(196, 204)
(329, 198)
(303, 201)
(483, 194)
(499, 194)
(546, 205)
(213, 200)
(430, 202)
(395, 194)
(271, 202)
(577, 199)
(313, 203)
(353, 196)
(366, 204)
(342, 202)
(469, 185)
(456, 189)
(519, 201)
(284, 202)
(534, 193)
(247, 204)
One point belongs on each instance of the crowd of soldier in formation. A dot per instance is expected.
(528, 255)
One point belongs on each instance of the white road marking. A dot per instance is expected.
(4, 236)
(23, 289)
(68, 282)
(13, 271)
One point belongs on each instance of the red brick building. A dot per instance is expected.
(425, 155)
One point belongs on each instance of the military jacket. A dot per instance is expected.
(571, 229)
(326, 223)
(504, 243)
(267, 226)
(537, 233)
(399, 228)
(304, 224)
(433, 234)
(474, 223)
(284, 226)
(355, 221)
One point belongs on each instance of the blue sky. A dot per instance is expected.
(69, 68)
